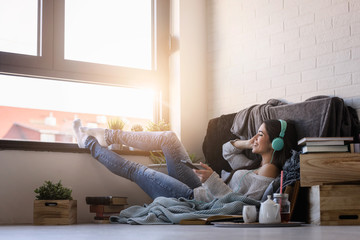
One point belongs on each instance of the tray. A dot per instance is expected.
(256, 224)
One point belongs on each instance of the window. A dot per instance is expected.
(90, 38)
(19, 35)
(94, 60)
(45, 113)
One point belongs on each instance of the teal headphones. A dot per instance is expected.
(278, 143)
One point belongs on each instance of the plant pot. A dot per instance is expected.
(55, 212)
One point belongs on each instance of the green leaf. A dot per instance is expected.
(50, 191)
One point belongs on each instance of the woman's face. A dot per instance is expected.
(262, 142)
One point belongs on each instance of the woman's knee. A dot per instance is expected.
(169, 136)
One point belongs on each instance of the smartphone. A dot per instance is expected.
(190, 165)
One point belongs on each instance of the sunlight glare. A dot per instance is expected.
(76, 97)
(91, 35)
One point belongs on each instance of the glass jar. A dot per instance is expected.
(282, 200)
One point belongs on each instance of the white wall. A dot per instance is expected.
(188, 92)
(21, 172)
(284, 49)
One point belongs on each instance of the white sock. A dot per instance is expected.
(98, 133)
(80, 136)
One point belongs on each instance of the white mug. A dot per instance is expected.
(249, 213)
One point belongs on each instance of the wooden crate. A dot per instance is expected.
(328, 168)
(55, 212)
(334, 205)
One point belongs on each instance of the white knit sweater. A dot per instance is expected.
(244, 182)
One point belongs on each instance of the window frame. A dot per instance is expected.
(52, 65)
(56, 147)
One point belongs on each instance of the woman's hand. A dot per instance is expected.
(205, 173)
(245, 144)
(252, 141)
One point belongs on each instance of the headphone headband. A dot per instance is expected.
(283, 128)
(278, 143)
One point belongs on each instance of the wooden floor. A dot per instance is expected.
(176, 232)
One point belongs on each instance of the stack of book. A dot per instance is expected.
(325, 144)
(104, 207)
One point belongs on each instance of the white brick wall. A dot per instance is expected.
(285, 49)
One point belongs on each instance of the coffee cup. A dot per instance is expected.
(249, 213)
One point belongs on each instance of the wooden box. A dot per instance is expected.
(328, 168)
(334, 205)
(55, 212)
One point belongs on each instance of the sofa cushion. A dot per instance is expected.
(316, 117)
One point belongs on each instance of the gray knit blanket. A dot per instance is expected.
(171, 210)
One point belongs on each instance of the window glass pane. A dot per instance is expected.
(113, 32)
(19, 26)
(43, 110)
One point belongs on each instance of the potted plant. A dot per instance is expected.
(160, 126)
(159, 162)
(157, 157)
(137, 128)
(116, 124)
(54, 205)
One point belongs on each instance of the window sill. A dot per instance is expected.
(57, 147)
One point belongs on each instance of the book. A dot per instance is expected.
(106, 208)
(355, 147)
(313, 149)
(310, 141)
(101, 221)
(209, 220)
(101, 217)
(106, 200)
(325, 143)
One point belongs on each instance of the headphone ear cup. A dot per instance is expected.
(277, 144)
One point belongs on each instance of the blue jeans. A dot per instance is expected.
(180, 181)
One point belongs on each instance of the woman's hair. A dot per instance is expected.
(273, 128)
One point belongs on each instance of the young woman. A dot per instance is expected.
(250, 178)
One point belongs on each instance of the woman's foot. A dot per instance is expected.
(80, 135)
(98, 133)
